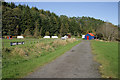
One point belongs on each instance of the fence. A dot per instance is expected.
(16, 43)
(27, 42)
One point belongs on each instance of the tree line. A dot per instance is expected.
(34, 22)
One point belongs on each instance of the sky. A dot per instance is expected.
(62, 0)
(106, 11)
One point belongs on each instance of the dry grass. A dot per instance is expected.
(18, 51)
(57, 43)
(71, 40)
(15, 66)
(40, 47)
(43, 46)
(48, 48)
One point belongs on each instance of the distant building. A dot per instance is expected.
(89, 36)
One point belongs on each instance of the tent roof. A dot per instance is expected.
(91, 34)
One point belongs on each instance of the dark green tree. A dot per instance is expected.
(47, 33)
(36, 31)
(40, 32)
(27, 33)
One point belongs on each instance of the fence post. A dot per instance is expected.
(3, 44)
(10, 43)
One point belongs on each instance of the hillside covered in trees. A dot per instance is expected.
(32, 22)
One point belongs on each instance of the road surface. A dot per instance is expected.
(76, 63)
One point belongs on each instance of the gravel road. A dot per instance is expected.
(76, 63)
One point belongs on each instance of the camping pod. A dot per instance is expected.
(89, 36)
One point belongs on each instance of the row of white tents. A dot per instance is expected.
(46, 37)
(55, 37)
(21, 37)
(51, 37)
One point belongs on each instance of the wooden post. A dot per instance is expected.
(3, 44)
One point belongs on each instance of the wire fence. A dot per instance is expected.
(27, 42)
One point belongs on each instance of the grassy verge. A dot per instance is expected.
(0, 58)
(106, 53)
(28, 42)
(16, 66)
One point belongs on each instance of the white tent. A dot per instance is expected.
(54, 36)
(20, 37)
(83, 36)
(65, 37)
(46, 37)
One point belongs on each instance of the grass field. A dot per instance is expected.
(0, 58)
(28, 42)
(20, 60)
(106, 53)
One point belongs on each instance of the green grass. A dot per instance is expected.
(0, 58)
(106, 53)
(28, 42)
(18, 66)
